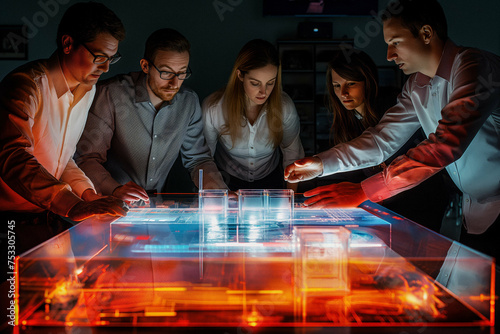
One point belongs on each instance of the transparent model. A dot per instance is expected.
(253, 260)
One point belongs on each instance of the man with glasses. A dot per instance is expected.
(140, 121)
(103, 59)
(43, 109)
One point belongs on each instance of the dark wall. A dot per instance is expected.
(218, 28)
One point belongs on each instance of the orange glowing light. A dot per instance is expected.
(331, 278)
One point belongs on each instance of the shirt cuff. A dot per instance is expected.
(322, 163)
(63, 202)
(79, 187)
(329, 165)
(107, 187)
(375, 188)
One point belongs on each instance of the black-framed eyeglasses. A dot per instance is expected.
(101, 59)
(165, 75)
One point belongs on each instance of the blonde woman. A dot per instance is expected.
(251, 124)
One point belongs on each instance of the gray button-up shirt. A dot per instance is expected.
(126, 139)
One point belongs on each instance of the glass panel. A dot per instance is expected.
(159, 267)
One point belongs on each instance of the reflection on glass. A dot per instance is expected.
(344, 268)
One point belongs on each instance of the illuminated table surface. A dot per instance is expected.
(174, 265)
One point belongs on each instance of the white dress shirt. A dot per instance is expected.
(41, 122)
(458, 109)
(253, 156)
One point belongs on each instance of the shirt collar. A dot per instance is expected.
(57, 75)
(141, 90)
(60, 84)
(445, 64)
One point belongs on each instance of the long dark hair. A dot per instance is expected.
(353, 65)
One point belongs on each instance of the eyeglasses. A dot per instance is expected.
(101, 59)
(165, 75)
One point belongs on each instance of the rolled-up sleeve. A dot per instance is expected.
(195, 152)
(95, 142)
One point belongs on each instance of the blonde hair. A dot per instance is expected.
(254, 55)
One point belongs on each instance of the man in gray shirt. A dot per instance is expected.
(139, 122)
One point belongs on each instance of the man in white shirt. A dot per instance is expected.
(43, 109)
(453, 93)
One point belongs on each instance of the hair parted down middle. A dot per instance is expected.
(254, 55)
(355, 66)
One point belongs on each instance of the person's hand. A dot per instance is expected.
(103, 206)
(304, 169)
(131, 192)
(340, 195)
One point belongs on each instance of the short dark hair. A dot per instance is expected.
(166, 40)
(85, 20)
(414, 14)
